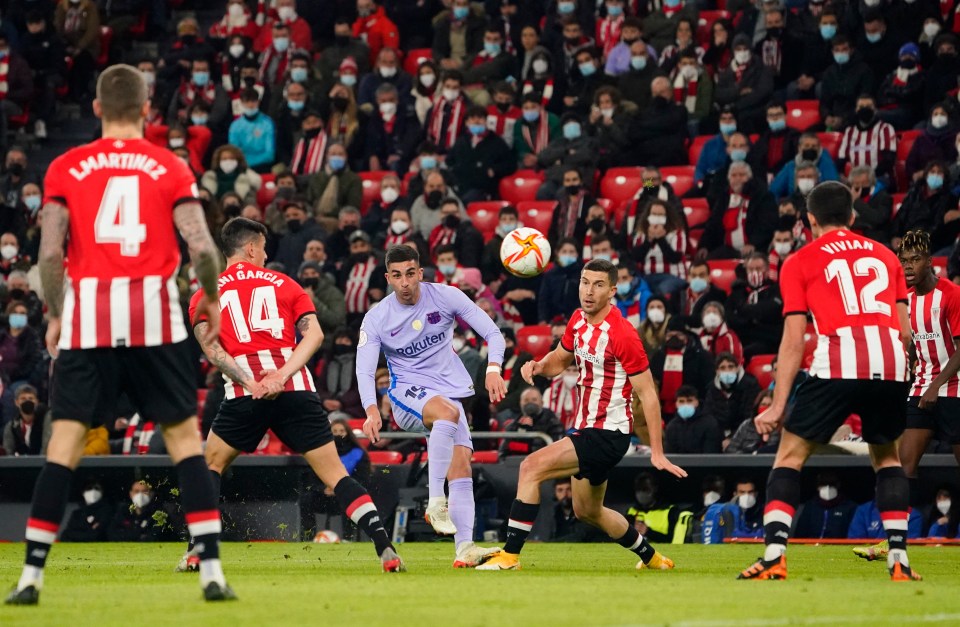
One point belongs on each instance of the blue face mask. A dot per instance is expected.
(841, 57)
(671, 3)
(200, 79)
(874, 37)
(298, 74)
(251, 112)
(491, 48)
(727, 128)
(428, 163)
(198, 120)
(623, 289)
(638, 63)
(698, 285)
(531, 115)
(504, 229)
(777, 125)
(587, 69)
(727, 378)
(447, 269)
(296, 105)
(934, 181)
(336, 162)
(17, 320)
(476, 129)
(565, 8)
(571, 130)
(686, 411)
(280, 44)
(605, 257)
(348, 79)
(382, 391)
(566, 260)
(460, 13)
(614, 10)
(32, 202)
(828, 31)
(738, 154)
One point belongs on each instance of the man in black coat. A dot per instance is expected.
(691, 431)
(843, 82)
(752, 210)
(479, 159)
(635, 83)
(754, 308)
(391, 133)
(659, 133)
(696, 365)
(531, 417)
(88, 523)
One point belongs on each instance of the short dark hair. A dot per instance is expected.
(831, 203)
(602, 265)
(509, 210)
(687, 391)
(445, 248)
(237, 232)
(250, 94)
(401, 253)
(476, 112)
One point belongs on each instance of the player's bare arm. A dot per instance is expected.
(552, 364)
(788, 365)
(312, 338)
(930, 396)
(192, 224)
(221, 359)
(646, 390)
(53, 236)
(906, 332)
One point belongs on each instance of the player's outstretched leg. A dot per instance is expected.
(190, 561)
(358, 506)
(50, 496)
(463, 508)
(783, 497)
(893, 498)
(442, 417)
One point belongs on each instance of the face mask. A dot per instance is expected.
(428, 163)
(604, 257)
(827, 493)
(141, 500)
(874, 37)
(336, 162)
(607, 113)
(446, 269)
(90, 497)
(348, 79)
(943, 506)
(931, 29)
(32, 202)
(657, 220)
(296, 105)
(810, 154)
(938, 121)
(280, 44)
(742, 57)
(727, 378)
(505, 229)
(711, 321)
(565, 8)
(451, 94)
(287, 14)
(934, 181)
(614, 10)
(638, 63)
(571, 130)
(294, 225)
(644, 497)
(908, 64)
(249, 81)
(298, 74)
(727, 128)
(227, 166)
(342, 349)
(828, 31)
(656, 316)
(198, 120)
(388, 72)
(540, 66)
(476, 129)
(587, 69)
(755, 278)
(531, 409)
(689, 72)
(389, 194)
(775, 32)
(566, 260)
(841, 58)
(671, 3)
(698, 285)
(746, 501)
(686, 412)
(623, 289)
(738, 154)
(865, 115)
(176, 142)
(710, 498)
(570, 380)
(18, 321)
(805, 185)
(399, 226)
(250, 112)
(235, 10)
(150, 79)
(8, 252)
(460, 13)
(237, 50)
(782, 248)
(433, 199)
(458, 344)
(491, 48)
(572, 189)
(200, 79)
(777, 125)
(451, 222)
(596, 225)
(531, 115)
(428, 80)
(676, 343)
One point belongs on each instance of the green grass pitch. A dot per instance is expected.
(560, 584)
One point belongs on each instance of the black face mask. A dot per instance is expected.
(348, 230)
(28, 407)
(809, 154)
(188, 39)
(775, 32)
(650, 191)
(340, 103)
(16, 169)
(531, 409)
(433, 198)
(908, 64)
(631, 41)
(572, 41)
(572, 189)
(17, 294)
(503, 106)
(342, 40)
(566, 503)
(660, 102)
(311, 282)
(232, 210)
(675, 343)
(469, 294)
(294, 225)
(596, 225)
(311, 133)
(864, 193)
(249, 81)
(866, 115)
(341, 349)
(451, 222)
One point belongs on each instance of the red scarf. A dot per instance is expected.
(440, 236)
(458, 113)
(190, 92)
(395, 240)
(542, 138)
(608, 33)
(672, 379)
(671, 11)
(511, 314)
(308, 155)
(685, 92)
(771, 52)
(268, 55)
(547, 94)
(4, 68)
(735, 221)
(503, 123)
(143, 436)
(738, 69)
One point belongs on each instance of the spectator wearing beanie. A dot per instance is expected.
(900, 97)
(747, 84)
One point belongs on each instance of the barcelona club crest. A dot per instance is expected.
(433, 317)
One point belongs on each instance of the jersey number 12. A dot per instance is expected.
(118, 218)
(263, 315)
(867, 301)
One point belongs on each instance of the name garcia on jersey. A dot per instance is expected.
(118, 161)
(242, 275)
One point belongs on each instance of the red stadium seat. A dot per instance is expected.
(619, 212)
(761, 367)
(414, 58)
(697, 211)
(485, 457)
(705, 25)
(680, 178)
(620, 184)
(356, 424)
(905, 141)
(537, 214)
(608, 206)
(831, 143)
(802, 114)
(723, 272)
(106, 36)
(385, 457)
(268, 189)
(897, 203)
(485, 215)
(696, 147)
(694, 236)
(810, 339)
(405, 183)
(371, 188)
(535, 339)
(521, 185)
(20, 120)
(939, 265)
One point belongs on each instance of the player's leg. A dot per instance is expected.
(588, 507)
(893, 502)
(913, 443)
(442, 417)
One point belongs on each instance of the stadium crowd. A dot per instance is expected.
(677, 139)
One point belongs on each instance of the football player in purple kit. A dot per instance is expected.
(413, 327)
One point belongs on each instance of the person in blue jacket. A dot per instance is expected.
(808, 149)
(944, 515)
(254, 133)
(866, 523)
(741, 517)
(713, 157)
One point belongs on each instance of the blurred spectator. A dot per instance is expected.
(425, 209)
(783, 245)
(445, 119)
(11, 256)
(16, 88)
(745, 440)
(872, 205)
(715, 336)
(828, 514)
(809, 150)
(719, 51)
(743, 516)
(691, 432)
(930, 206)
(301, 228)
(871, 142)
(347, 222)
(659, 133)
(44, 52)
(309, 146)
(457, 232)
(584, 81)
(817, 56)
(776, 145)
(199, 87)
(362, 277)
(620, 58)
(653, 329)
(534, 131)
(569, 219)
(660, 25)
(654, 188)
(563, 397)
(479, 159)
(559, 290)
(424, 90)
(683, 42)
(877, 45)
(175, 62)
(300, 37)
(700, 292)
(632, 293)
(660, 247)
(566, 527)
(754, 308)
(449, 270)
(609, 121)
(254, 134)
(88, 523)
(712, 488)
(376, 221)
(596, 227)
(391, 134)
(681, 361)
(374, 28)
(692, 88)
(866, 523)
(387, 71)
(344, 45)
(847, 78)
(457, 35)
(229, 172)
(532, 417)
(337, 379)
(609, 28)
(942, 74)
(327, 299)
(141, 519)
(276, 57)
(28, 431)
(937, 142)
(653, 518)
(78, 23)
(737, 149)
(742, 219)
(485, 70)
(780, 49)
(713, 155)
(943, 515)
(20, 349)
(18, 290)
(746, 84)
(901, 94)
(575, 151)
(288, 116)
(237, 21)
(334, 186)
(343, 123)
(730, 399)
(638, 72)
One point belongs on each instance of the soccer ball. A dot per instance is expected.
(327, 537)
(525, 252)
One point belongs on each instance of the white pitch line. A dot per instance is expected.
(814, 620)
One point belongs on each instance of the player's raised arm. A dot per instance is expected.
(311, 338)
(368, 354)
(646, 390)
(479, 321)
(192, 224)
(53, 236)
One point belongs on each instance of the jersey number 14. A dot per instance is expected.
(263, 315)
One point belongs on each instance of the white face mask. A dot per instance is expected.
(570, 380)
(399, 226)
(227, 166)
(9, 251)
(607, 112)
(389, 194)
(450, 94)
(689, 72)
(828, 493)
(388, 109)
(742, 57)
(388, 72)
(141, 499)
(458, 344)
(428, 80)
(236, 50)
(746, 501)
(710, 498)
(656, 316)
(150, 78)
(657, 220)
(92, 496)
(931, 29)
(540, 66)
(943, 506)
(287, 14)
(938, 121)
(782, 248)
(805, 185)
(176, 142)
(235, 11)
(711, 321)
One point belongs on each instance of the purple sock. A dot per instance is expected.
(440, 454)
(462, 509)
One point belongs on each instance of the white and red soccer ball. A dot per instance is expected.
(525, 252)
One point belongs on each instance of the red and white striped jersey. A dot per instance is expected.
(261, 309)
(122, 251)
(607, 355)
(654, 262)
(863, 147)
(358, 284)
(563, 402)
(935, 322)
(852, 285)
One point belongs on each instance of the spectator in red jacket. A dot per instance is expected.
(238, 20)
(300, 36)
(375, 28)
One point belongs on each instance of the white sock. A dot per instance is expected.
(897, 555)
(773, 552)
(211, 570)
(31, 576)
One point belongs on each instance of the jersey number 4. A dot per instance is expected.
(263, 314)
(118, 218)
(867, 301)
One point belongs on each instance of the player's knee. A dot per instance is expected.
(530, 469)
(586, 512)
